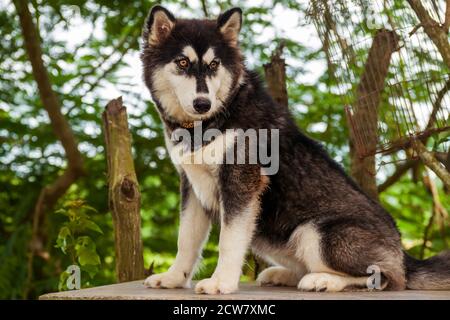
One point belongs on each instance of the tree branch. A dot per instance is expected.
(430, 161)
(437, 104)
(205, 8)
(49, 195)
(402, 169)
(398, 173)
(49, 99)
(446, 25)
(439, 213)
(444, 158)
(105, 72)
(119, 47)
(437, 34)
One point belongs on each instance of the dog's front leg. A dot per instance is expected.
(193, 231)
(235, 237)
(240, 208)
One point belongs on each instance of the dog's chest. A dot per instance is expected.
(204, 181)
(202, 167)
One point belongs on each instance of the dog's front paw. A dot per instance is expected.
(167, 280)
(277, 276)
(215, 285)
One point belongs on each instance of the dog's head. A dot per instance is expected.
(192, 67)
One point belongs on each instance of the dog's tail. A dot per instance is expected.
(429, 274)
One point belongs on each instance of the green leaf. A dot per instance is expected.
(75, 204)
(91, 269)
(84, 242)
(64, 232)
(61, 240)
(92, 226)
(62, 281)
(63, 212)
(89, 208)
(88, 256)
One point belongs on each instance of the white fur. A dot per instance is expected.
(235, 237)
(329, 282)
(208, 56)
(219, 86)
(278, 276)
(193, 232)
(204, 183)
(168, 89)
(190, 53)
(177, 91)
(201, 166)
(306, 241)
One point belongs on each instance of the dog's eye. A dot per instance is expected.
(183, 63)
(214, 65)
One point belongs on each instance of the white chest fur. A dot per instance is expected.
(202, 166)
(204, 181)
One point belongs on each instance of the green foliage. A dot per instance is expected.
(412, 207)
(72, 240)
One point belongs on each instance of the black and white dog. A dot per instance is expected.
(309, 219)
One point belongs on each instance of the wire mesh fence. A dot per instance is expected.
(396, 69)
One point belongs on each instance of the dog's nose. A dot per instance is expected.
(202, 105)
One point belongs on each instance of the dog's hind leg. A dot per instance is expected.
(322, 281)
(343, 256)
(286, 269)
(278, 276)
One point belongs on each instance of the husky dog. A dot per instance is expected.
(310, 220)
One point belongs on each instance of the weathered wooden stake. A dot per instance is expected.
(275, 74)
(124, 195)
(365, 118)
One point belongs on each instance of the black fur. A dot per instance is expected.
(223, 18)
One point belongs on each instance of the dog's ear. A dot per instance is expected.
(229, 23)
(159, 25)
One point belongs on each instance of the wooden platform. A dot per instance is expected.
(136, 291)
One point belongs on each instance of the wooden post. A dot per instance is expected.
(365, 118)
(124, 195)
(275, 73)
